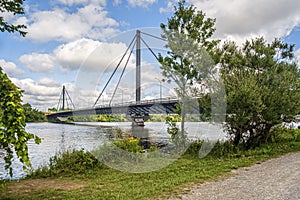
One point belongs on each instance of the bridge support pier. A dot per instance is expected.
(138, 120)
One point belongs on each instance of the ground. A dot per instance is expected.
(274, 179)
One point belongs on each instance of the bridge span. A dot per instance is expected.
(135, 108)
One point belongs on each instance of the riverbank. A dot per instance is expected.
(178, 178)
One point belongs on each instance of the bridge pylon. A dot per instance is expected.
(65, 102)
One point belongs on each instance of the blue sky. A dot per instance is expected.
(76, 42)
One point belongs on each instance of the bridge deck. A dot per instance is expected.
(155, 106)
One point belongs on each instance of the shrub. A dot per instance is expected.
(283, 134)
(68, 163)
(130, 144)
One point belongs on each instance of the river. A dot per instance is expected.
(61, 137)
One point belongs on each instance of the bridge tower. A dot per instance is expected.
(65, 101)
(138, 65)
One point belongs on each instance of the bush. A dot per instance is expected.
(283, 134)
(68, 163)
(130, 144)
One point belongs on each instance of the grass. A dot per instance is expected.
(101, 182)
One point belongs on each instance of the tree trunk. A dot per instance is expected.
(267, 132)
(182, 116)
(237, 138)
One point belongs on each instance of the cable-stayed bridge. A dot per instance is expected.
(138, 110)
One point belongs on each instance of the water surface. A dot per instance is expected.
(61, 137)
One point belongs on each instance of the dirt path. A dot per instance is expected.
(274, 179)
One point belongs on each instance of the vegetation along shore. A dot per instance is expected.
(251, 90)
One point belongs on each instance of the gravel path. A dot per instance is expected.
(274, 179)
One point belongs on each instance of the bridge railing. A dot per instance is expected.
(125, 104)
(143, 102)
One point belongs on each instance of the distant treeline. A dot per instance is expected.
(33, 114)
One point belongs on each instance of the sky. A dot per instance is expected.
(78, 43)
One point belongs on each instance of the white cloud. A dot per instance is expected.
(240, 19)
(169, 7)
(85, 2)
(7, 16)
(88, 21)
(39, 96)
(48, 81)
(10, 68)
(32, 87)
(92, 54)
(71, 55)
(297, 54)
(45, 93)
(35, 62)
(141, 3)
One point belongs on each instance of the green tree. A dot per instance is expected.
(262, 86)
(32, 114)
(13, 136)
(187, 63)
(52, 109)
(15, 7)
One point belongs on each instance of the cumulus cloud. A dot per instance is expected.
(45, 93)
(32, 87)
(76, 2)
(57, 24)
(169, 7)
(141, 3)
(39, 96)
(35, 62)
(243, 19)
(11, 68)
(94, 55)
(48, 81)
(71, 55)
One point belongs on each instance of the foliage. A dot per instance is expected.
(178, 137)
(84, 118)
(15, 7)
(13, 136)
(187, 63)
(32, 114)
(129, 144)
(188, 33)
(100, 118)
(68, 163)
(163, 117)
(283, 134)
(262, 86)
(127, 153)
(112, 118)
(52, 109)
(106, 183)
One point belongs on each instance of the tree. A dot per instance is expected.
(262, 86)
(15, 7)
(12, 123)
(188, 62)
(32, 114)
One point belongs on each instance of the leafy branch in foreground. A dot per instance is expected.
(13, 136)
(15, 7)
